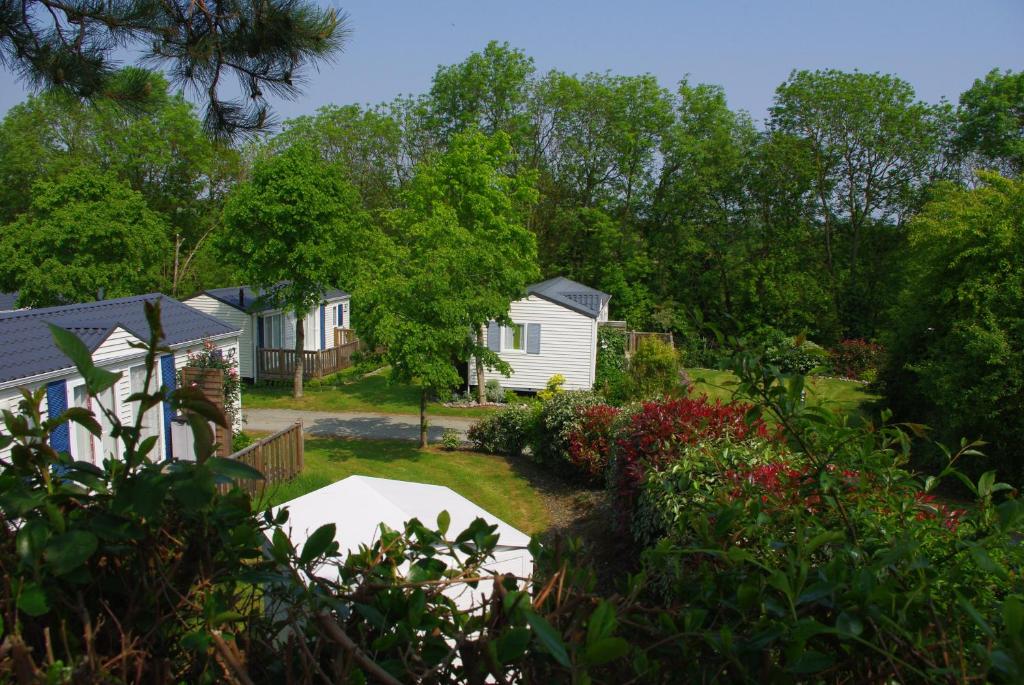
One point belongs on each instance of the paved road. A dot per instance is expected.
(355, 424)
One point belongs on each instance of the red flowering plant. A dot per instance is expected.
(591, 442)
(654, 436)
(857, 358)
(822, 552)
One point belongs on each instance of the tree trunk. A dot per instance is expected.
(423, 417)
(481, 395)
(300, 345)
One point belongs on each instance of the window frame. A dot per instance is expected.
(507, 331)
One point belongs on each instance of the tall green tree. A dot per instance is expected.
(160, 151)
(264, 47)
(990, 122)
(874, 148)
(295, 228)
(956, 352)
(489, 91)
(460, 254)
(86, 234)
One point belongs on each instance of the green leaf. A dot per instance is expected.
(232, 468)
(601, 623)
(72, 347)
(605, 650)
(550, 640)
(444, 520)
(511, 645)
(68, 551)
(32, 600)
(849, 624)
(318, 543)
(811, 661)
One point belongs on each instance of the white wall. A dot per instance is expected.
(568, 345)
(235, 318)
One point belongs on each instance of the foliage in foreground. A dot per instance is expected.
(817, 559)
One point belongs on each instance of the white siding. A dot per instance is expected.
(329, 319)
(9, 399)
(117, 346)
(568, 346)
(235, 318)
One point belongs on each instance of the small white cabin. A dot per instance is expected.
(554, 331)
(108, 328)
(265, 326)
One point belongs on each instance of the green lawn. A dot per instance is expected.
(487, 480)
(367, 393)
(843, 395)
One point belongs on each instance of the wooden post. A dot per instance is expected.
(300, 445)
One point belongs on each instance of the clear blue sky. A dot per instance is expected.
(747, 46)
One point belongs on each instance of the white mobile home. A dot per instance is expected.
(264, 325)
(554, 331)
(108, 328)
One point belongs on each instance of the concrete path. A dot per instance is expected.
(325, 424)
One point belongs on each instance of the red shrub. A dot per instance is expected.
(856, 358)
(653, 436)
(590, 444)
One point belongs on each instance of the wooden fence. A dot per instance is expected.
(279, 365)
(279, 457)
(633, 341)
(344, 336)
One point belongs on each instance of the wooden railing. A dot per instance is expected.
(343, 336)
(279, 457)
(277, 364)
(633, 341)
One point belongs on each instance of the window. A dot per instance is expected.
(106, 400)
(83, 448)
(515, 337)
(273, 331)
(151, 419)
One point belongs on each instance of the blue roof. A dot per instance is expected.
(258, 300)
(568, 293)
(29, 350)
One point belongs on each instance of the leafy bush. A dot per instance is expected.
(450, 439)
(553, 387)
(559, 417)
(241, 440)
(857, 359)
(591, 442)
(507, 431)
(610, 369)
(654, 436)
(790, 354)
(654, 370)
(493, 391)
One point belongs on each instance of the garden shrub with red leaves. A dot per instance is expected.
(654, 435)
(590, 444)
(857, 358)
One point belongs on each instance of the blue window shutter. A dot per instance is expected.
(259, 331)
(323, 327)
(341, 315)
(167, 378)
(493, 337)
(57, 404)
(533, 338)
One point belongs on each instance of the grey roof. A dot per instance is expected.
(29, 350)
(258, 300)
(568, 293)
(8, 301)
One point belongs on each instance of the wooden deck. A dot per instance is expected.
(279, 457)
(279, 365)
